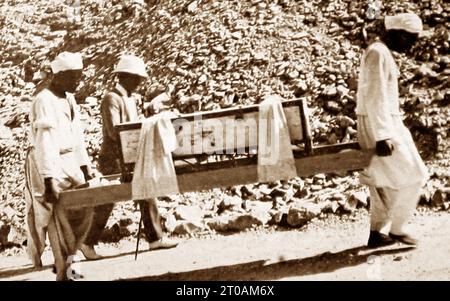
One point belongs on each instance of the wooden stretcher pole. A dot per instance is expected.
(306, 127)
(327, 159)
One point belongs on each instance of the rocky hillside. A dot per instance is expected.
(213, 54)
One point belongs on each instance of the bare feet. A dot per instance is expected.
(89, 252)
(163, 243)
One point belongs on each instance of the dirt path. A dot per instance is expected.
(325, 250)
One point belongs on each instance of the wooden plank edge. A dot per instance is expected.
(348, 160)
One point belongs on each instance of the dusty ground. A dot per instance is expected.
(331, 249)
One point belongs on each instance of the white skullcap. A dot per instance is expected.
(408, 21)
(131, 64)
(67, 61)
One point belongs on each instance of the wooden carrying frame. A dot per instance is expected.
(195, 175)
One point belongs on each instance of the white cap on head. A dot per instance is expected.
(67, 61)
(131, 64)
(407, 21)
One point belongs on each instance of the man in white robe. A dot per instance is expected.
(396, 174)
(57, 160)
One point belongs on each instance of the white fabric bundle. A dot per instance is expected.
(275, 158)
(154, 173)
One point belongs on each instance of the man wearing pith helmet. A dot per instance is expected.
(119, 106)
(396, 173)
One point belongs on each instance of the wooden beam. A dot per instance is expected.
(234, 111)
(346, 160)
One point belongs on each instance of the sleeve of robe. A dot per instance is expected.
(379, 115)
(110, 115)
(46, 146)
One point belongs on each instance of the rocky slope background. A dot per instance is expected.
(207, 55)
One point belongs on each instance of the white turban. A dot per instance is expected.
(67, 61)
(408, 21)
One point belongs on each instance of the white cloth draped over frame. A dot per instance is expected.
(154, 173)
(275, 159)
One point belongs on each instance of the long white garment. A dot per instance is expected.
(379, 118)
(154, 173)
(392, 208)
(275, 159)
(57, 137)
(57, 151)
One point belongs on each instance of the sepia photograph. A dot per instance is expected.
(225, 147)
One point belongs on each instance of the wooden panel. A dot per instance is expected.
(235, 111)
(345, 160)
(129, 142)
(212, 135)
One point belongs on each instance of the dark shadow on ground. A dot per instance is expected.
(257, 270)
(17, 271)
(261, 270)
(21, 270)
(123, 254)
